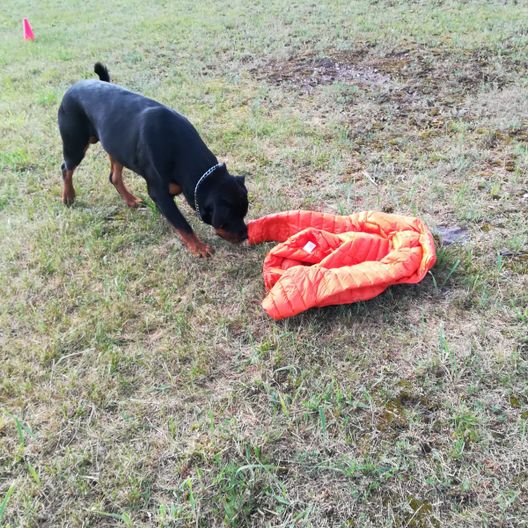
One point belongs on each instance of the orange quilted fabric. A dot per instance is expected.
(326, 259)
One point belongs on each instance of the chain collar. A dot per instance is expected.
(203, 177)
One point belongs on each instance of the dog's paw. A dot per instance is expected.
(203, 250)
(194, 244)
(135, 203)
(68, 197)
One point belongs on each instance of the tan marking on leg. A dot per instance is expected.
(194, 244)
(117, 180)
(174, 189)
(68, 192)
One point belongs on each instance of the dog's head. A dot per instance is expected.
(224, 204)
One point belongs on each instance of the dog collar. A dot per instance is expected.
(208, 172)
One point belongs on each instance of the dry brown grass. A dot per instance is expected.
(142, 387)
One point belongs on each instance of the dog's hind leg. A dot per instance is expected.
(68, 191)
(75, 142)
(70, 163)
(116, 178)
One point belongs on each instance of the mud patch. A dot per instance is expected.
(414, 69)
(416, 90)
(308, 71)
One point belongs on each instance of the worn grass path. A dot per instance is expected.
(140, 386)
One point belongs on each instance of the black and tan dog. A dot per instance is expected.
(157, 143)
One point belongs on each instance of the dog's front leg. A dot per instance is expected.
(165, 203)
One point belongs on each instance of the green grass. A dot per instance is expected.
(140, 386)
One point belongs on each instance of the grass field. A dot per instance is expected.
(141, 386)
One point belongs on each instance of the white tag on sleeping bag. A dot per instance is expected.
(309, 247)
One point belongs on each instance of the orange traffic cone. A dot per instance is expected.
(28, 32)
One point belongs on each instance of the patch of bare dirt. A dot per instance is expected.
(414, 69)
(415, 88)
(308, 71)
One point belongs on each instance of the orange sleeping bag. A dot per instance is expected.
(326, 259)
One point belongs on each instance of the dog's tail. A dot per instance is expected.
(102, 71)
